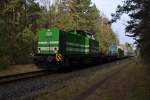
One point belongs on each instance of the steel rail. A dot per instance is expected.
(22, 76)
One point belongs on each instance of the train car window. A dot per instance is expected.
(89, 36)
(92, 37)
(80, 32)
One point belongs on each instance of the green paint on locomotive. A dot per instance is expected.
(55, 41)
(48, 41)
(76, 43)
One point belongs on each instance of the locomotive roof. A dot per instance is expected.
(81, 31)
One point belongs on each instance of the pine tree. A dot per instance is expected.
(138, 27)
(17, 29)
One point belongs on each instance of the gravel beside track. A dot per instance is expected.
(33, 86)
(29, 88)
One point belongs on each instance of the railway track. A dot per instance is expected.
(18, 77)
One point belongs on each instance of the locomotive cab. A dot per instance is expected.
(48, 47)
(48, 41)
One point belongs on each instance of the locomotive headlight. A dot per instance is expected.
(39, 50)
(56, 50)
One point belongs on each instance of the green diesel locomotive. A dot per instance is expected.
(55, 45)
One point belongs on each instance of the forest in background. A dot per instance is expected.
(21, 19)
(138, 26)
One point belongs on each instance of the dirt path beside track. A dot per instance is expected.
(94, 87)
(129, 83)
(124, 80)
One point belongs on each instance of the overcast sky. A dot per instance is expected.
(109, 6)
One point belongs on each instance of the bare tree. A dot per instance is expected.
(46, 3)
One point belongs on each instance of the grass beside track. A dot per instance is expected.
(127, 80)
